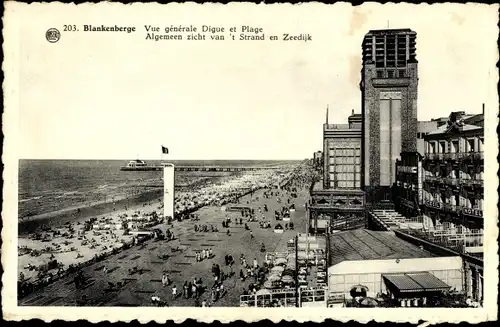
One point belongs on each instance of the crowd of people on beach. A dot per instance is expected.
(221, 196)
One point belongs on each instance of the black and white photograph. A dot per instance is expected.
(250, 156)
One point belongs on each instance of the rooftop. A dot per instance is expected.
(445, 129)
(392, 31)
(363, 244)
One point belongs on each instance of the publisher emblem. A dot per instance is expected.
(52, 35)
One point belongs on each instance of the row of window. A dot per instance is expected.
(344, 160)
(345, 184)
(344, 168)
(472, 144)
(355, 144)
(345, 152)
(460, 175)
(345, 176)
(457, 200)
(393, 73)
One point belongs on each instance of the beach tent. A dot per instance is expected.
(280, 261)
(274, 278)
(277, 269)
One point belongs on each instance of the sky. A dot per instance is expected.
(118, 96)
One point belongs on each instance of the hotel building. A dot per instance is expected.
(337, 200)
(453, 169)
(453, 172)
(389, 81)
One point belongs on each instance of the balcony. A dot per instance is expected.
(434, 156)
(476, 213)
(451, 181)
(473, 155)
(455, 156)
(451, 208)
(472, 182)
(451, 156)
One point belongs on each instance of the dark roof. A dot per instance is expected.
(391, 31)
(477, 120)
(364, 244)
(402, 283)
(415, 282)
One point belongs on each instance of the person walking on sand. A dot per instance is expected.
(174, 292)
(185, 290)
(189, 290)
(242, 275)
(164, 280)
(194, 291)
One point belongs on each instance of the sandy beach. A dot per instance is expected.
(137, 289)
(51, 243)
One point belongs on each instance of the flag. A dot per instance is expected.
(164, 149)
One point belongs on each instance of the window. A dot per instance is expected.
(442, 147)
(431, 147)
(401, 74)
(380, 74)
(390, 74)
(470, 145)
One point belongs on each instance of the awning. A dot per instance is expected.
(414, 282)
(429, 282)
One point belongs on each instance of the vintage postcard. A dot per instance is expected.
(249, 162)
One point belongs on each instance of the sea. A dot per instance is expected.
(47, 186)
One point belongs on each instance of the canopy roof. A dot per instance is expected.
(414, 282)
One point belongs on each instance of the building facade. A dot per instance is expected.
(453, 173)
(424, 128)
(318, 159)
(407, 192)
(337, 201)
(389, 81)
(342, 155)
(453, 192)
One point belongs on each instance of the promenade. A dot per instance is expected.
(138, 288)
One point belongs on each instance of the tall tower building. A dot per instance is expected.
(389, 80)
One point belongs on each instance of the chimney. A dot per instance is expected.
(483, 108)
(352, 112)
